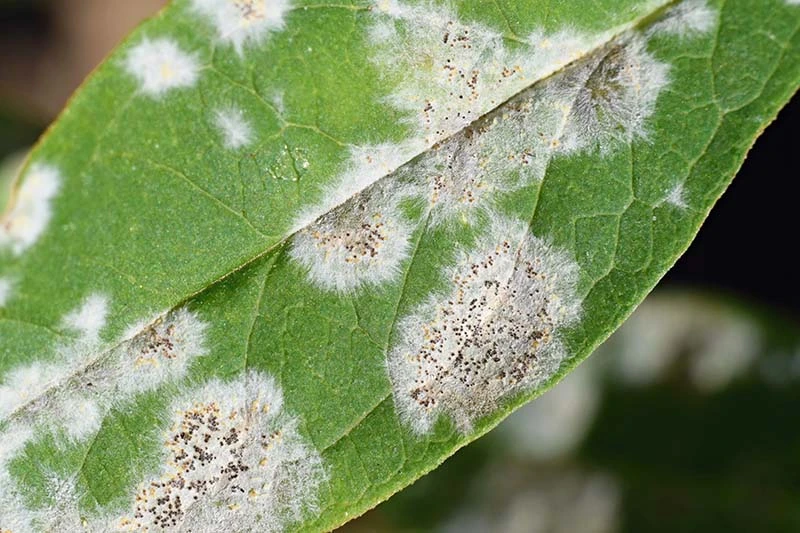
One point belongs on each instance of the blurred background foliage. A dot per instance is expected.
(685, 420)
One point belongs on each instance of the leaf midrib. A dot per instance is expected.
(621, 30)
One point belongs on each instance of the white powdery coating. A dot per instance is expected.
(81, 416)
(676, 196)
(609, 96)
(31, 210)
(70, 396)
(495, 332)
(89, 318)
(6, 291)
(234, 461)
(453, 72)
(501, 152)
(160, 65)
(365, 166)
(161, 351)
(243, 22)
(236, 132)
(687, 19)
(14, 516)
(362, 242)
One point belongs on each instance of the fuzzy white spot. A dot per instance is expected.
(89, 318)
(501, 152)
(362, 242)
(686, 19)
(451, 72)
(23, 384)
(27, 385)
(160, 352)
(235, 130)
(608, 97)
(676, 196)
(647, 346)
(243, 22)
(30, 210)
(493, 333)
(160, 65)
(82, 416)
(365, 166)
(234, 461)
(14, 516)
(6, 290)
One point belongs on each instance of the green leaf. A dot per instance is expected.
(637, 424)
(277, 260)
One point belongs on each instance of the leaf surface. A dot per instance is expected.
(277, 260)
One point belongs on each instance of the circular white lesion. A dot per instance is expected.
(160, 65)
(363, 242)
(233, 460)
(494, 331)
(243, 22)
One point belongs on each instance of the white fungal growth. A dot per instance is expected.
(243, 22)
(70, 396)
(233, 461)
(28, 384)
(453, 72)
(494, 332)
(507, 149)
(234, 128)
(159, 65)
(14, 516)
(6, 290)
(89, 318)
(686, 19)
(609, 96)
(676, 197)
(362, 242)
(160, 352)
(30, 210)
(82, 416)
(365, 166)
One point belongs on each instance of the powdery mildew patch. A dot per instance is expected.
(13, 515)
(159, 65)
(365, 166)
(161, 351)
(492, 333)
(233, 127)
(233, 461)
(686, 19)
(676, 197)
(452, 72)
(609, 96)
(362, 242)
(6, 290)
(243, 22)
(27, 385)
(30, 211)
(70, 396)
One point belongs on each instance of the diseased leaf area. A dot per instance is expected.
(279, 259)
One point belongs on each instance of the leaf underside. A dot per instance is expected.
(275, 261)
